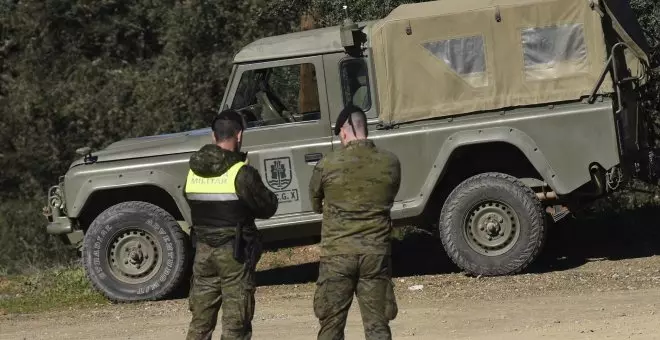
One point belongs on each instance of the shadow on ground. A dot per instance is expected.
(626, 235)
(570, 244)
(419, 253)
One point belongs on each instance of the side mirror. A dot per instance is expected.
(347, 31)
(84, 151)
(352, 37)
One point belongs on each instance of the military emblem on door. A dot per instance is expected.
(278, 172)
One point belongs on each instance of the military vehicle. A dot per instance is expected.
(505, 114)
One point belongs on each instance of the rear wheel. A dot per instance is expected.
(492, 224)
(135, 251)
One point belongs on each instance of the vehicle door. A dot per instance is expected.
(287, 124)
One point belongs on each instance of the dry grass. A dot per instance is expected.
(289, 257)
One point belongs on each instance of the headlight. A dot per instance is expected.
(56, 198)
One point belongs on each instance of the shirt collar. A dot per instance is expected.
(359, 143)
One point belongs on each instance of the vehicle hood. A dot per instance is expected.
(150, 146)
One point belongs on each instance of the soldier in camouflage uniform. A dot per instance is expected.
(225, 196)
(354, 188)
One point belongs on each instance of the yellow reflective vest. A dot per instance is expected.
(221, 188)
(213, 200)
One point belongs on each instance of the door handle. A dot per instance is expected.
(313, 157)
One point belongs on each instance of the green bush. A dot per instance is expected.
(24, 245)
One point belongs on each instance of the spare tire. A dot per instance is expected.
(135, 251)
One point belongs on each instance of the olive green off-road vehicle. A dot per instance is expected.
(505, 114)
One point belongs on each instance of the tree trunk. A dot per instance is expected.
(309, 93)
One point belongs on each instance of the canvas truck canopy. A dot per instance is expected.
(449, 57)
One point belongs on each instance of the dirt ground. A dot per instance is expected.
(601, 282)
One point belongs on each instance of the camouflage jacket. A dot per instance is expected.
(354, 188)
(212, 161)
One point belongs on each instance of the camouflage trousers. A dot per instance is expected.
(366, 276)
(221, 281)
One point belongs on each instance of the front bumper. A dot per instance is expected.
(59, 226)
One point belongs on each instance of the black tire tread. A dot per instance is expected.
(179, 234)
(532, 206)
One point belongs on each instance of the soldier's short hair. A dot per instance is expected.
(359, 122)
(355, 117)
(227, 124)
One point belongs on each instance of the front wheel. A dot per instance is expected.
(492, 224)
(135, 251)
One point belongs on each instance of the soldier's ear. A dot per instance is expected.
(239, 136)
(213, 138)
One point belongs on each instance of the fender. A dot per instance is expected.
(166, 173)
(504, 134)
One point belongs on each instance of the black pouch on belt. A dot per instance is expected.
(238, 244)
(249, 248)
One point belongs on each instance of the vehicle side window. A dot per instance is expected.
(466, 56)
(278, 95)
(554, 52)
(355, 83)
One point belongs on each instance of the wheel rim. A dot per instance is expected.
(134, 256)
(491, 228)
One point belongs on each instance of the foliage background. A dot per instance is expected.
(90, 72)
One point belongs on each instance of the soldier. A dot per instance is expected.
(225, 196)
(355, 188)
